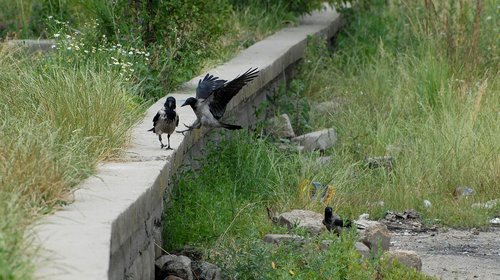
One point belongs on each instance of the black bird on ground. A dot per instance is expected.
(165, 121)
(212, 97)
(333, 222)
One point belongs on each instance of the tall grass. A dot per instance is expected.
(56, 124)
(428, 98)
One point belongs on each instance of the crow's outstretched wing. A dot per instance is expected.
(223, 95)
(208, 85)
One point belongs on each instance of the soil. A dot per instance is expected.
(449, 253)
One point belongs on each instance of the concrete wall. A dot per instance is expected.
(112, 229)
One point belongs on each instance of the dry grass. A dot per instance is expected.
(56, 124)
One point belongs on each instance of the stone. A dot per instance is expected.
(318, 140)
(427, 203)
(374, 235)
(362, 249)
(495, 222)
(364, 216)
(280, 127)
(309, 220)
(386, 162)
(408, 258)
(173, 277)
(206, 271)
(179, 266)
(487, 205)
(278, 238)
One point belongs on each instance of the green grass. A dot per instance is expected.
(410, 97)
(221, 209)
(56, 125)
(411, 83)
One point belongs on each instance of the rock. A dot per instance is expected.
(374, 235)
(318, 140)
(280, 127)
(179, 266)
(495, 222)
(487, 205)
(206, 271)
(325, 244)
(364, 216)
(362, 249)
(189, 251)
(407, 258)
(386, 162)
(173, 277)
(427, 203)
(309, 220)
(278, 238)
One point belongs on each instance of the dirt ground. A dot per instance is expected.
(453, 254)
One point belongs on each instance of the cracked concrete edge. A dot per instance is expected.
(84, 240)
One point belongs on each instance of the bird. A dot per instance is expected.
(212, 96)
(333, 222)
(165, 121)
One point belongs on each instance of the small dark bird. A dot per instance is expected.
(212, 97)
(333, 222)
(165, 121)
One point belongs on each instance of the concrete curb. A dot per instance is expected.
(110, 231)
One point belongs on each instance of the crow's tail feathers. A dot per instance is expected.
(152, 129)
(230, 126)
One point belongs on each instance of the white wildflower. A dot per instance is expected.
(53, 46)
(68, 48)
(57, 35)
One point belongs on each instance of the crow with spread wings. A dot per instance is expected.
(212, 97)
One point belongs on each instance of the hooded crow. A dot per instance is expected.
(165, 121)
(212, 97)
(333, 222)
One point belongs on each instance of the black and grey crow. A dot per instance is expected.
(333, 222)
(212, 97)
(165, 121)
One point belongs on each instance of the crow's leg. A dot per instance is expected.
(168, 138)
(196, 124)
(185, 130)
(159, 137)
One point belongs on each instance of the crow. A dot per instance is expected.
(212, 97)
(333, 222)
(165, 121)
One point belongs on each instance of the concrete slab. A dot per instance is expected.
(112, 217)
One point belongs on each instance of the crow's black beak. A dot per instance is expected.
(185, 103)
